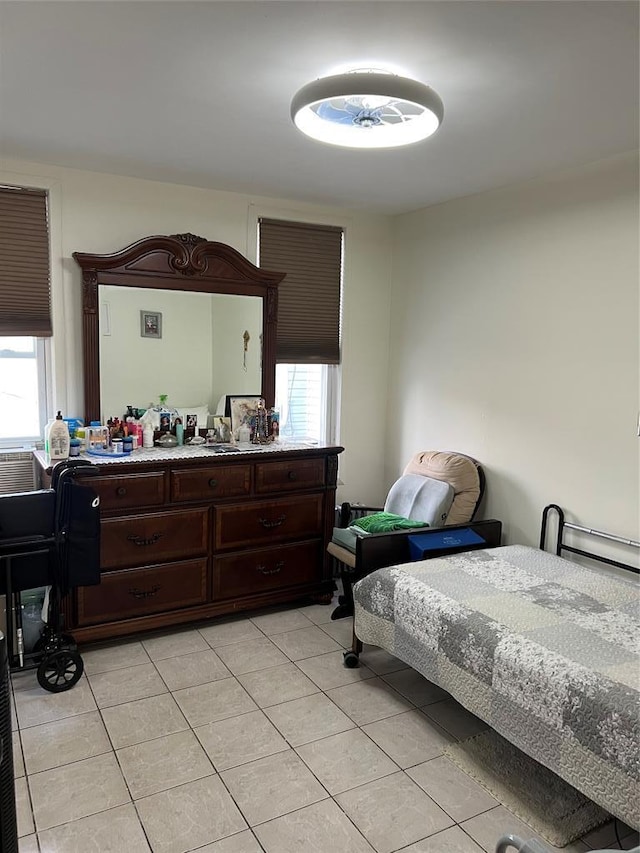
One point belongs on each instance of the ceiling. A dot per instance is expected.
(198, 93)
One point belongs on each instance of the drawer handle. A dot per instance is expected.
(141, 540)
(213, 483)
(265, 571)
(269, 524)
(121, 491)
(292, 475)
(145, 593)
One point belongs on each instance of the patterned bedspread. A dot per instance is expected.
(542, 649)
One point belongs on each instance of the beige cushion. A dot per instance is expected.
(458, 470)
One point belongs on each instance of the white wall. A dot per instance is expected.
(514, 338)
(93, 212)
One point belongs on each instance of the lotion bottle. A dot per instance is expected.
(59, 439)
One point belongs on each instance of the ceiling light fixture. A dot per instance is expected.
(367, 109)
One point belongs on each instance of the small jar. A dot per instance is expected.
(127, 444)
(116, 445)
(74, 447)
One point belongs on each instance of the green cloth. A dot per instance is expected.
(383, 522)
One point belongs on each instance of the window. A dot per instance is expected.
(22, 390)
(308, 339)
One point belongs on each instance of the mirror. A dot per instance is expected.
(167, 309)
(195, 353)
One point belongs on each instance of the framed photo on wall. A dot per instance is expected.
(151, 324)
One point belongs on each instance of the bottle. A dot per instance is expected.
(179, 431)
(58, 439)
(47, 430)
(139, 433)
(147, 435)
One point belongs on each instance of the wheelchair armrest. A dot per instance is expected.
(349, 511)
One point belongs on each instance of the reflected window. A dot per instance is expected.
(306, 397)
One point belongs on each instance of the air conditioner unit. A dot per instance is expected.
(17, 473)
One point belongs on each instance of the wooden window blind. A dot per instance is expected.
(309, 296)
(25, 282)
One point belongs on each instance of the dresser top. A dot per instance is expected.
(149, 456)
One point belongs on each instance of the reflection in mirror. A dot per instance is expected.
(199, 356)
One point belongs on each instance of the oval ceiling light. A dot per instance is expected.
(367, 109)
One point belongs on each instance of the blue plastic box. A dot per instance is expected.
(421, 544)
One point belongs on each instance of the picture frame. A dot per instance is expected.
(151, 324)
(222, 429)
(242, 409)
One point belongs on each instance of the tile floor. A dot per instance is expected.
(249, 735)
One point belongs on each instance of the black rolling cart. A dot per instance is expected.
(49, 537)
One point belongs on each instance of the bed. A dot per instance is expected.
(543, 649)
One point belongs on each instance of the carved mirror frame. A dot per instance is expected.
(175, 262)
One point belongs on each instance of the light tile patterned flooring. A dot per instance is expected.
(249, 735)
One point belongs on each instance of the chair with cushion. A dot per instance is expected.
(437, 488)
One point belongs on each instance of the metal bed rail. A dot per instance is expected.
(562, 546)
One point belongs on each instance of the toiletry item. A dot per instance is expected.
(74, 447)
(58, 439)
(47, 430)
(139, 433)
(117, 445)
(81, 435)
(127, 444)
(147, 435)
(97, 436)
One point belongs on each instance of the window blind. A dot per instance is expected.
(25, 286)
(309, 296)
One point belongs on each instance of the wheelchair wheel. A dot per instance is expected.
(351, 659)
(60, 671)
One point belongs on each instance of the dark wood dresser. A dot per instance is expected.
(184, 538)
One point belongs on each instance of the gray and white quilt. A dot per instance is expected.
(542, 649)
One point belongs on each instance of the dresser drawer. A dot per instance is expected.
(288, 476)
(270, 568)
(196, 484)
(137, 592)
(262, 522)
(153, 537)
(125, 491)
